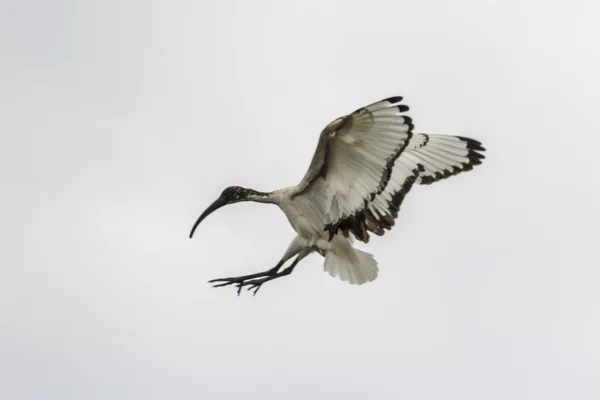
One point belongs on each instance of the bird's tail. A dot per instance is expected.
(351, 265)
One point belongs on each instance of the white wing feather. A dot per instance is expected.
(354, 159)
(366, 163)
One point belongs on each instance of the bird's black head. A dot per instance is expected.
(232, 194)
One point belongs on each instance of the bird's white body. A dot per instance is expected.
(313, 237)
(364, 165)
(302, 220)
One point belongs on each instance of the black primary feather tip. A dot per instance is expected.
(394, 99)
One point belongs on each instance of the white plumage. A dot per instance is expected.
(364, 165)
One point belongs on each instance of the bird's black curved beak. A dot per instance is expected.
(220, 202)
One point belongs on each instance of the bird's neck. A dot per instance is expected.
(261, 197)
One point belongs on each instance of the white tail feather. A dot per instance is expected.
(351, 265)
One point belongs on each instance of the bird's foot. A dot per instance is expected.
(253, 281)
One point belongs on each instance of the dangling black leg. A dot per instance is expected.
(239, 280)
(255, 281)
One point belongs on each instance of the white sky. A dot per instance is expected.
(122, 120)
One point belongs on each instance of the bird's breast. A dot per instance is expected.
(305, 225)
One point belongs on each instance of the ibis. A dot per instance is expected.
(364, 165)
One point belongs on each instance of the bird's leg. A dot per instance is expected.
(240, 280)
(298, 247)
(257, 283)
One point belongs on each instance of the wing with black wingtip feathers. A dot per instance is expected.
(365, 164)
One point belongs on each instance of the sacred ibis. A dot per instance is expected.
(364, 165)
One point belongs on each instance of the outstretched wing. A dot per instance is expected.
(426, 159)
(366, 163)
(354, 160)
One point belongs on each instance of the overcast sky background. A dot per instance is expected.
(122, 120)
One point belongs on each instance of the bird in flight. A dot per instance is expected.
(364, 165)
